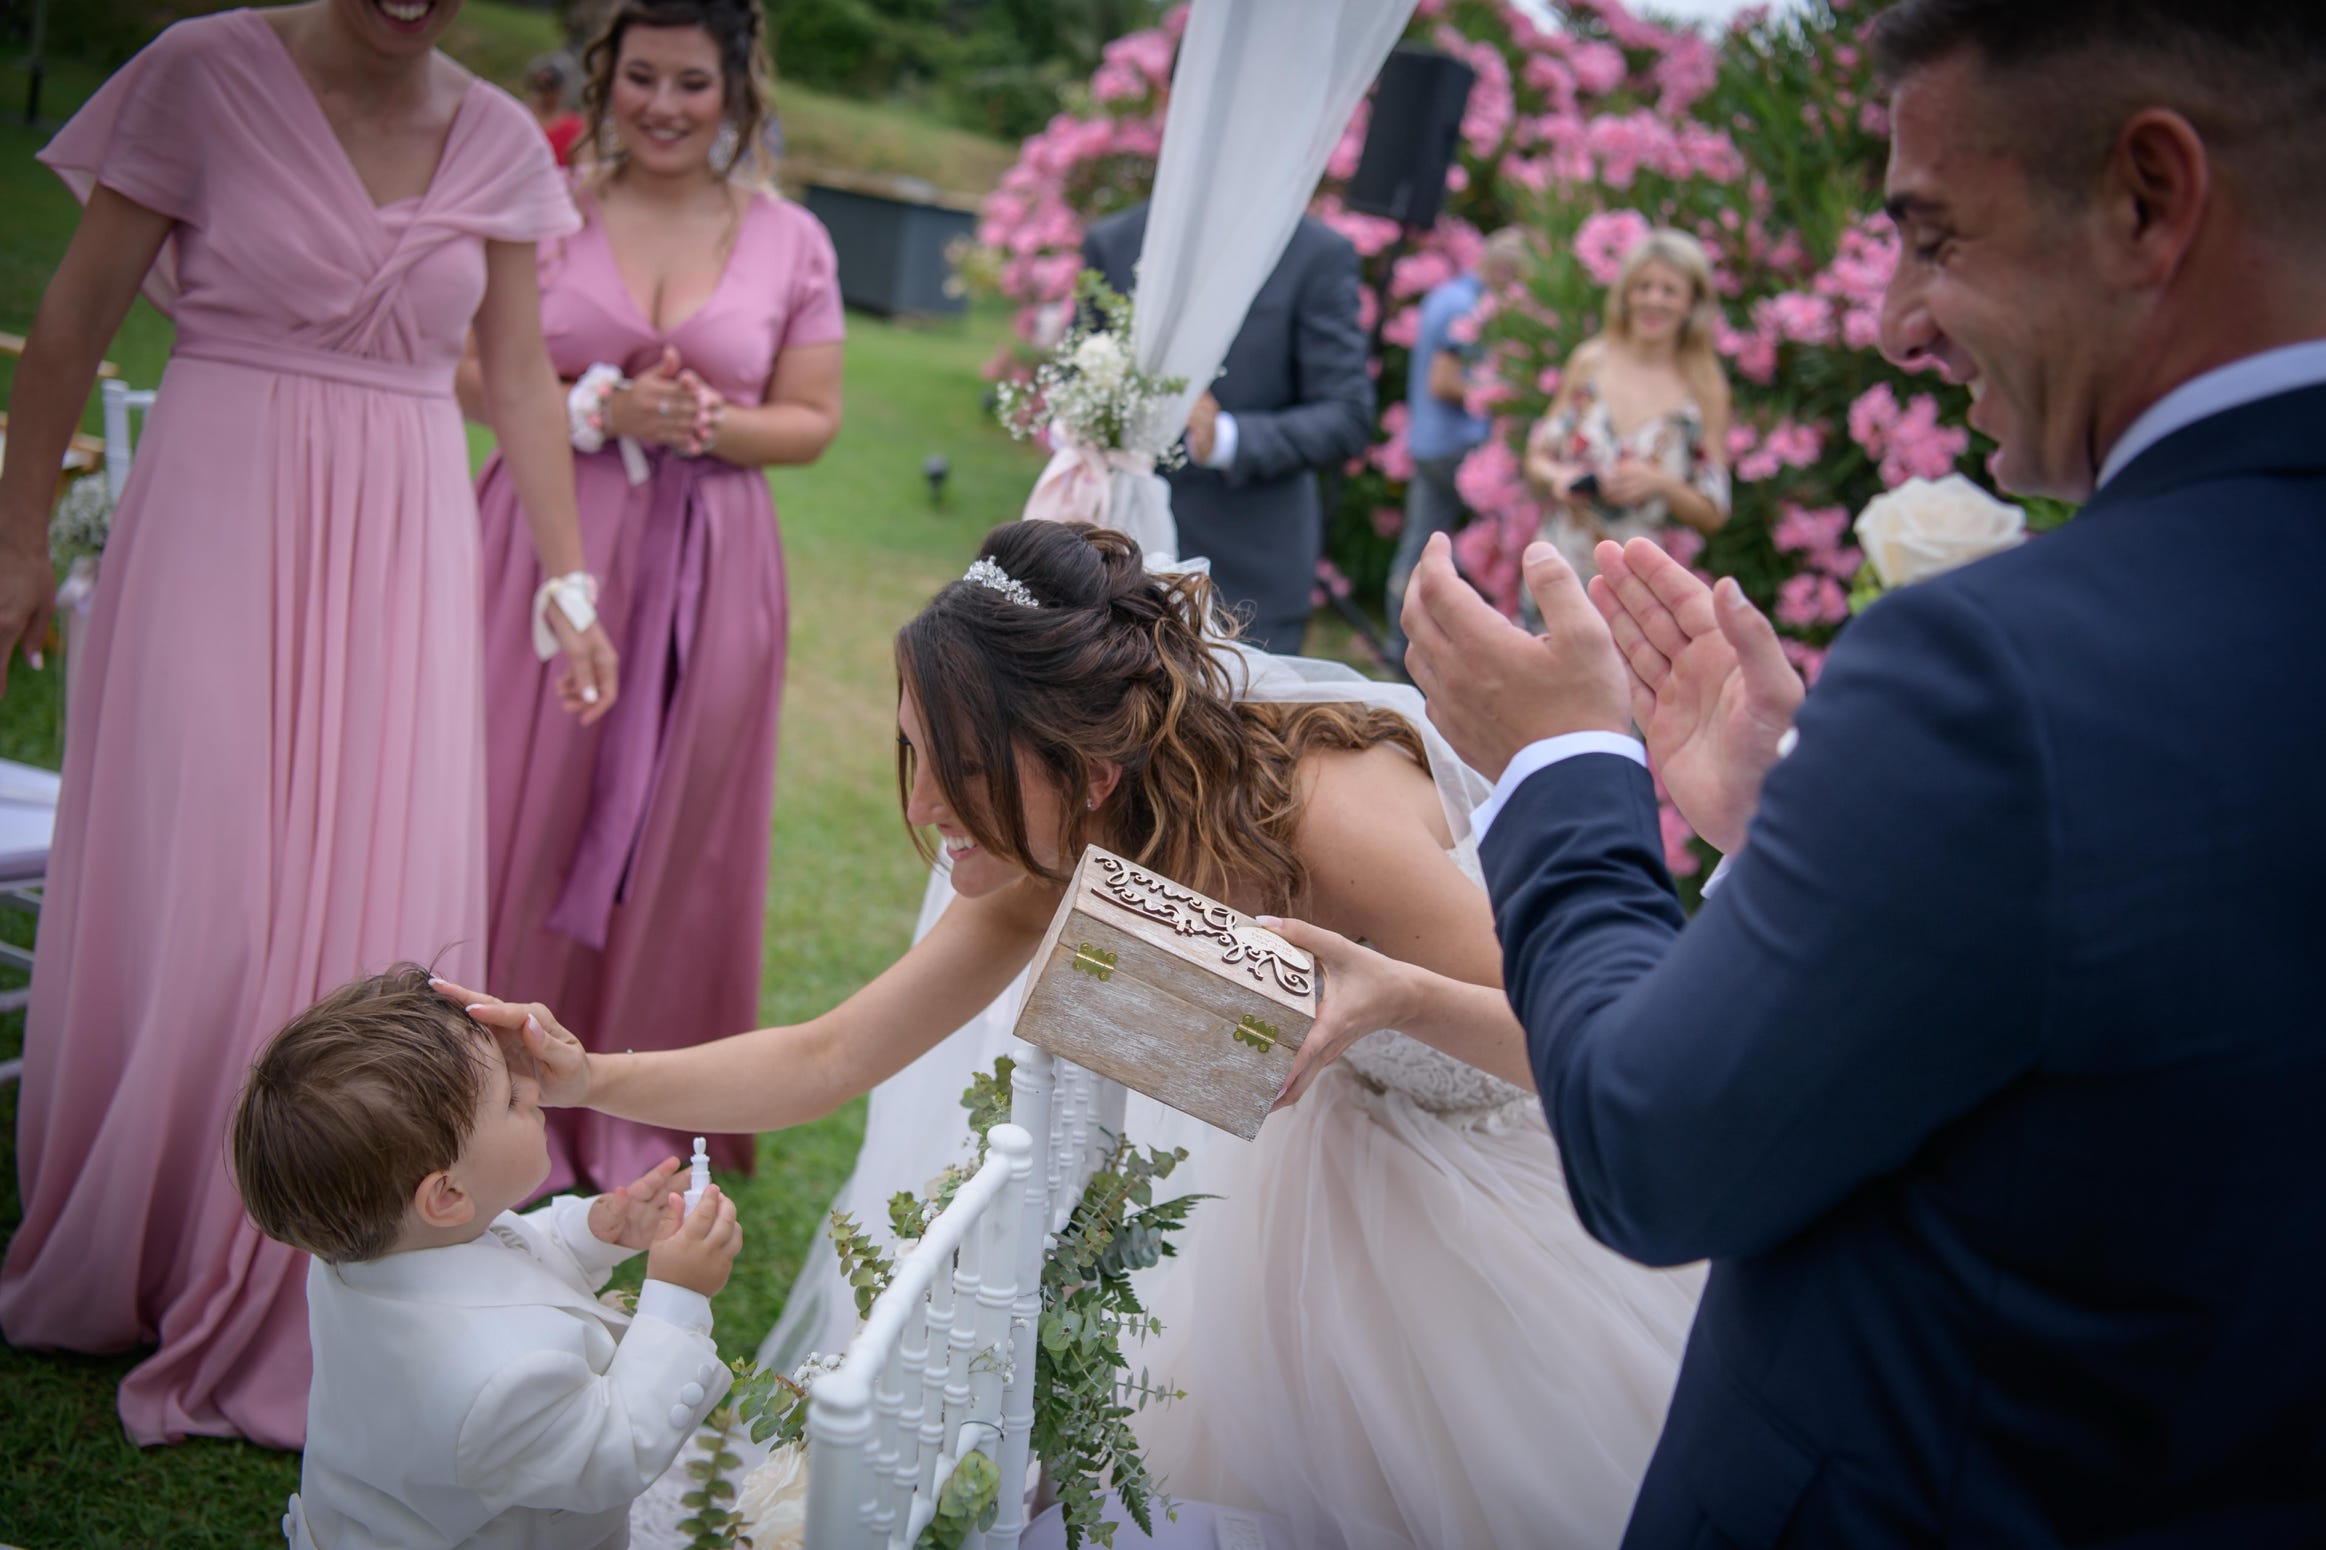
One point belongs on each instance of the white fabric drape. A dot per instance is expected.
(1261, 94)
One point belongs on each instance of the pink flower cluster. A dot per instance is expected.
(1622, 146)
(1132, 66)
(1795, 318)
(1788, 445)
(1856, 279)
(1604, 240)
(1909, 442)
(1487, 117)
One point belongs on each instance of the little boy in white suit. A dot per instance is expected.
(469, 1389)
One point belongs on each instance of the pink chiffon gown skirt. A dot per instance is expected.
(273, 777)
(628, 860)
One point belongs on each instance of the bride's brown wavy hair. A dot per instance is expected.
(1109, 665)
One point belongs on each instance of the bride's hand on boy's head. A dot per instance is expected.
(560, 1062)
(1360, 990)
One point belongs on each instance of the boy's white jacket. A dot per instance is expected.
(479, 1394)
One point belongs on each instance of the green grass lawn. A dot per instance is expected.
(863, 547)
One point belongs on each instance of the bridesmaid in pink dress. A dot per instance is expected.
(629, 859)
(275, 775)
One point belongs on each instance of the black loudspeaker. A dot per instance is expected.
(1417, 118)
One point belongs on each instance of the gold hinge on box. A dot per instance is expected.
(1250, 1030)
(1096, 962)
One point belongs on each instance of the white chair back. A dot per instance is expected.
(945, 1362)
(921, 1384)
(119, 399)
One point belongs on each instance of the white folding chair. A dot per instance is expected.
(921, 1385)
(119, 400)
(945, 1362)
(28, 812)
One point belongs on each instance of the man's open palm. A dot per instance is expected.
(1711, 690)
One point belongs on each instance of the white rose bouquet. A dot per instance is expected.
(1104, 416)
(773, 1503)
(1923, 528)
(1090, 390)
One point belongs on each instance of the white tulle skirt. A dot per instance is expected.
(1392, 1331)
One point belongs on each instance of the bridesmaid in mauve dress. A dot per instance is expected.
(629, 859)
(275, 774)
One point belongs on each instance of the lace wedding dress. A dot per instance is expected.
(1392, 1331)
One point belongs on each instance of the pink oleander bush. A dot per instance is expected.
(1767, 142)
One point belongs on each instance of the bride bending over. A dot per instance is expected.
(1390, 1327)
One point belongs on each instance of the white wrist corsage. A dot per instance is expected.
(585, 406)
(576, 595)
(585, 417)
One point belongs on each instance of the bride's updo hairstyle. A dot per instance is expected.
(1108, 664)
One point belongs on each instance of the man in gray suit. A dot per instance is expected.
(1292, 398)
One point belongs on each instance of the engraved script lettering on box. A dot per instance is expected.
(1178, 996)
(1192, 915)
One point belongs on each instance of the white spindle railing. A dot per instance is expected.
(945, 1362)
(921, 1385)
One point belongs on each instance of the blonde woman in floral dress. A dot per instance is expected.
(1635, 442)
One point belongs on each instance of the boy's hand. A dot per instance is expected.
(631, 1217)
(559, 1060)
(698, 1252)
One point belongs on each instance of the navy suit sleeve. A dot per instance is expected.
(1872, 968)
(1331, 417)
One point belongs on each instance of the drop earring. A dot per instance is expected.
(726, 147)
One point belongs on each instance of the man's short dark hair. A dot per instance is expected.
(2249, 75)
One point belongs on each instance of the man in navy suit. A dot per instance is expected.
(1993, 1078)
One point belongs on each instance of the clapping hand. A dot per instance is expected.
(633, 1217)
(1492, 688)
(658, 407)
(1710, 687)
(710, 407)
(558, 1057)
(1631, 481)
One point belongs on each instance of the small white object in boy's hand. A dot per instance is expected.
(698, 1175)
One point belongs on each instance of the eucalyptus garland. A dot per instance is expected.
(1085, 1391)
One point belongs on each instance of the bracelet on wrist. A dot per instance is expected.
(586, 405)
(575, 595)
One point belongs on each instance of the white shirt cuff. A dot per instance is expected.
(597, 1257)
(1719, 876)
(675, 1304)
(1223, 441)
(1537, 757)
